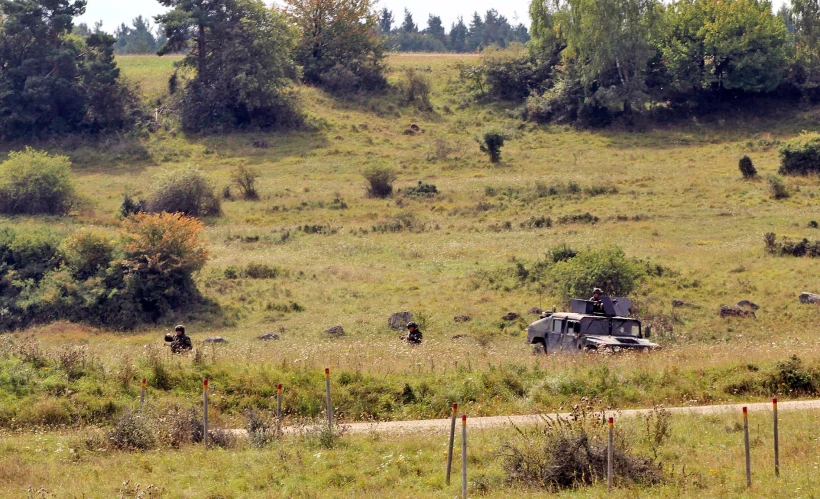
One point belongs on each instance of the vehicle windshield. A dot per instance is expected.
(620, 327)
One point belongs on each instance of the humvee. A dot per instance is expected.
(585, 329)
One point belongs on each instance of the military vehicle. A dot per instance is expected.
(590, 328)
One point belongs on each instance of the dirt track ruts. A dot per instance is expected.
(436, 426)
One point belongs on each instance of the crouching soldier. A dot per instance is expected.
(180, 342)
(413, 333)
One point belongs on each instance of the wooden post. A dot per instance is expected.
(329, 403)
(142, 394)
(609, 453)
(279, 411)
(776, 440)
(452, 440)
(205, 413)
(463, 456)
(746, 444)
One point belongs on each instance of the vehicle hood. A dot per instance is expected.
(620, 341)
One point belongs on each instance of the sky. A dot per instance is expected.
(114, 12)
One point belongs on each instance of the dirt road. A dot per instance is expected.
(437, 426)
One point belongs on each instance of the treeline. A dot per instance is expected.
(493, 30)
(593, 60)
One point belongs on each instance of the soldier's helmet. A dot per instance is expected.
(412, 324)
(598, 290)
(180, 328)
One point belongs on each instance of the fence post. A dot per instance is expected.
(746, 444)
(463, 456)
(329, 403)
(452, 441)
(142, 394)
(279, 410)
(776, 440)
(205, 413)
(609, 452)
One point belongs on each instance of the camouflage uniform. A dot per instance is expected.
(180, 342)
(414, 335)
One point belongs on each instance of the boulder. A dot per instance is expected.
(511, 316)
(335, 331)
(268, 337)
(809, 298)
(415, 127)
(535, 311)
(399, 320)
(735, 312)
(216, 339)
(748, 304)
(462, 318)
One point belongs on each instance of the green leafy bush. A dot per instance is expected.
(245, 178)
(608, 268)
(491, 144)
(800, 156)
(777, 188)
(379, 181)
(415, 88)
(186, 191)
(421, 190)
(747, 168)
(34, 182)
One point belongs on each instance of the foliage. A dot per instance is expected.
(747, 168)
(777, 188)
(790, 377)
(245, 178)
(379, 181)
(54, 82)
(338, 33)
(791, 247)
(187, 191)
(133, 431)
(607, 268)
(241, 53)
(801, 155)
(34, 182)
(421, 190)
(262, 431)
(513, 74)
(491, 144)
(139, 38)
(804, 16)
(416, 89)
(131, 206)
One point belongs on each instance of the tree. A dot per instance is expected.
(138, 39)
(52, 79)
(338, 37)
(476, 33)
(458, 36)
(408, 26)
(436, 29)
(386, 21)
(241, 53)
(805, 17)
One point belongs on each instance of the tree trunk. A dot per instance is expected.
(200, 42)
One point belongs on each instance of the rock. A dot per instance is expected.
(459, 336)
(535, 311)
(415, 127)
(735, 312)
(336, 331)
(268, 337)
(399, 320)
(462, 318)
(511, 316)
(260, 144)
(809, 298)
(216, 339)
(749, 304)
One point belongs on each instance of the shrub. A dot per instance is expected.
(800, 156)
(87, 252)
(245, 178)
(185, 191)
(130, 206)
(162, 252)
(416, 89)
(513, 75)
(747, 168)
(791, 378)
(34, 182)
(133, 431)
(491, 144)
(777, 188)
(262, 431)
(340, 80)
(561, 253)
(379, 181)
(421, 190)
(791, 247)
(607, 268)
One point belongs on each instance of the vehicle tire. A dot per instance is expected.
(539, 347)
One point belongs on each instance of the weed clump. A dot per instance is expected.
(747, 168)
(791, 247)
(133, 431)
(416, 89)
(186, 191)
(791, 377)
(777, 188)
(421, 190)
(245, 178)
(131, 206)
(379, 181)
(567, 453)
(34, 182)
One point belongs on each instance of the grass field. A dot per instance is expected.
(673, 197)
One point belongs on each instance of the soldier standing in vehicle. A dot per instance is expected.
(413, 333)
(180, 342)
(597, 304)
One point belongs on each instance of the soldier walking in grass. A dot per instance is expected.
(413, 333)
(180, 342)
